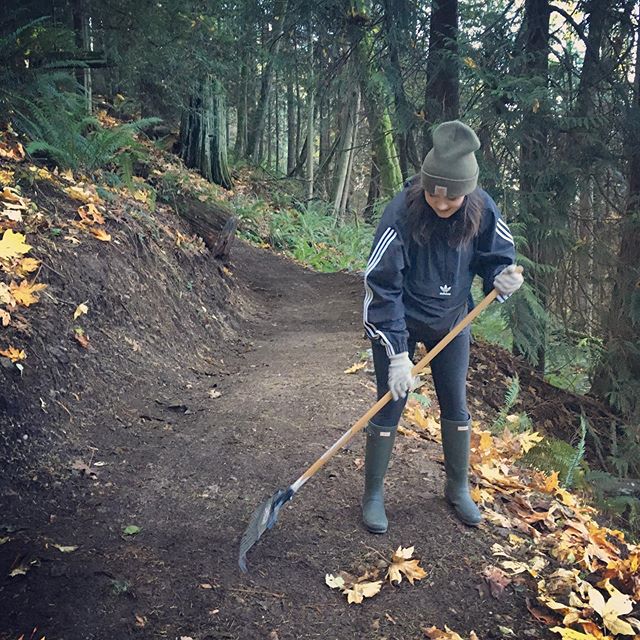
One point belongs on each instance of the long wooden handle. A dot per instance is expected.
(362, 422)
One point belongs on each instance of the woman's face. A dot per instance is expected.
(443, 206)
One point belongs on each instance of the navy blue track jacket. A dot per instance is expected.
(428, 286)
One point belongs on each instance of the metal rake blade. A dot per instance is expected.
(263, 518)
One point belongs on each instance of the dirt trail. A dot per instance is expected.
(189, 469)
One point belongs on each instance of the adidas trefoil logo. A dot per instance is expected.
(445, 290)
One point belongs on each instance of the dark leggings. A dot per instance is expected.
(449, 369)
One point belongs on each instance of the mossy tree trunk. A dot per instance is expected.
(203, 133)
(375, 98)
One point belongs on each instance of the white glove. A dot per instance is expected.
(400, 379)
(508, 281)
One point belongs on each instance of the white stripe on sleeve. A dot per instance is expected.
(376, 255)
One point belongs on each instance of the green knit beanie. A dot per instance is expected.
(450, 168)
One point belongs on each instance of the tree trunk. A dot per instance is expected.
(291, 129)
(396, 28)
(534, 164)
(373, 194)
(348, 134)
(442, 98)
(84, 42)
(310, 124)
(240, 148)
(203, 134)
(618, 377)
(280, 10)
(375, 101)
(277, 124)
(580, 147)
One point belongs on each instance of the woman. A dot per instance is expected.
(433, 238)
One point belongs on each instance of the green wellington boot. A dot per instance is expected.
(456, 442)
(379, 446)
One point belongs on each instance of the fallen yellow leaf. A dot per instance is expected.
(361, 590)
(89, 214)
(80, 310)
(5, 295)
(13, 245)
(100, 234)
(356, 367)
(15, 355)
(9, 194)
(618, 604)
(402, 564)
(27, 265)
(570, 634)
(25, 293)
(335, 582)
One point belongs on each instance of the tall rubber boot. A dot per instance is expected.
(456, 443)
(378, 452)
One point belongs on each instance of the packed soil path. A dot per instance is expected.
(188, 465)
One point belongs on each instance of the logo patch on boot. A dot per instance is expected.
(385, 434)
(463, 427)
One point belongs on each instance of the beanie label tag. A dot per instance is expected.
(440, 191)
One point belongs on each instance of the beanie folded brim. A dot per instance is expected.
(448, 187)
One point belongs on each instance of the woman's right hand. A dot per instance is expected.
(400, 379)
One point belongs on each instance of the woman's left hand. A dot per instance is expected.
(509, 280)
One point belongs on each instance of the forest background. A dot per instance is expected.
(334, 101)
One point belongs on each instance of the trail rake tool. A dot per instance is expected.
(265, 516)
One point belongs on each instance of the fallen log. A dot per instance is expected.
(212, 221)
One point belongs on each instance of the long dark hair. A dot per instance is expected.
(420, 217)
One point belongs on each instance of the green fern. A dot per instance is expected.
(55, 123)
(580, 451)
(510, 399)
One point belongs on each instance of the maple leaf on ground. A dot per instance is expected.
(570, 634)
(100, 234)
(13, 151)
(80, 310)
(334, 582)
(13, 245)
(618, 604)
(26, 265)
(83, 195)
(436, 634)
(6, 176)
(90, 214)
(497, 580)
(25, 294)
(5, 318)
(9, 194)
(5, 295)
(361, 590)
(355, 367)
(15, 355)
(401, 563)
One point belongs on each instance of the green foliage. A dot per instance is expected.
(506, 417)
(580, 451)
(310, 236)
(612, 496)
(54, 120)
(553, 454)
(491, 325)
